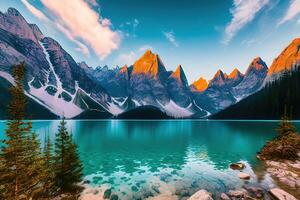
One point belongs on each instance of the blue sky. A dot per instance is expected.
(201, 35)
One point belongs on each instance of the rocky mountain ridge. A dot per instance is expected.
(66, 87)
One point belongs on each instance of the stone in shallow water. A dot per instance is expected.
(238, 194)
(201, 195)
(237, 166)
(244, 176)
(114, 197)
(224, 196)
(107, 193)
(280, 194)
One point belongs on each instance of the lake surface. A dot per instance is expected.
(139, 159)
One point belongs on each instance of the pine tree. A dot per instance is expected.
(48, 163)
(20, 152)
(285, 126)
(68, 167)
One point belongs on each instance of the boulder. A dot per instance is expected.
(237, 194)
(224, 197)
(244, 176)
(280, 194)
(201, 195)
(237, 166)
(256, 192)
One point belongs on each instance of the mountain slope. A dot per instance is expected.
(252, 80)
(270, 102)
(144, 112)
(52, 76)
(281, 89)
(34, 110)
(225, 90)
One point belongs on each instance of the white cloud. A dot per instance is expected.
(106, 22)
(243, 12)
(171, 38)
(79, 22)
(126, 58)
(35, 11)
(292, 12)
(92, 2)
(81, 47)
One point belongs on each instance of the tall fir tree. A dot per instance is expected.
(286, 127)
(20, 153)
(68, 167)
(48, 173)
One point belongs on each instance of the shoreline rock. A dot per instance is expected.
(280, 194)
(201, 195)
(237, 166)
(244, 176)
(286, 172)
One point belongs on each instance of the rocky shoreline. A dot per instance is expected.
(285, 175)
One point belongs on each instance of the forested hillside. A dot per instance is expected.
(270, 102)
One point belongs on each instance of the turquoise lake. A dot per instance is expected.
(139, 159)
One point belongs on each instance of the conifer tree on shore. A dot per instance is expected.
(68, 167)
(20, 154)
(48, 164)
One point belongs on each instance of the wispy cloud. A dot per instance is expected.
(292, 12)
(35, 11)
(81, 47)
(126, 58)
(129, 28)
(84, 29)
(85, 25)
(170, 36)
(92, 2)
(243, 12)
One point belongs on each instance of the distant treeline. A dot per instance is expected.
(270, 102)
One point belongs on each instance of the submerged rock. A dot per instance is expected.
(114, 197)
(244, 176)
(107, 194)
(280, 194)
(237, 166)
(201, 195)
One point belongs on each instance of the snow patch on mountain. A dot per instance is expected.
(119, 101)
(8, 77)
(174, 110)
(137, 104)
(57, 105)
(114, 109)
(57, 79)
(207, 113)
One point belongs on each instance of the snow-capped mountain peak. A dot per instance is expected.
(179, 75)
(149, 64)
(235, 74)
(200, 85)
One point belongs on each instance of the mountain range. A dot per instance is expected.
(60, 86)
(280, 94)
